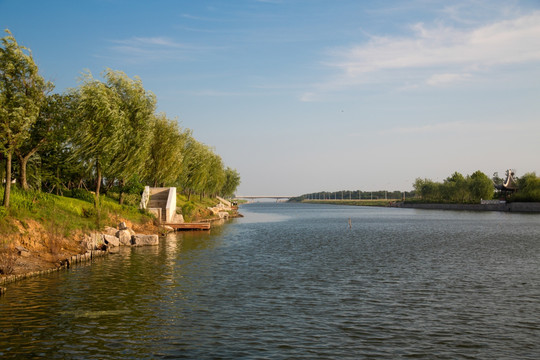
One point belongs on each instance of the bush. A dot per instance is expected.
(83, 194)
(187, 209)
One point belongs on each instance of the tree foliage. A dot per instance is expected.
(456, 188)
(22, 91)
(104, 134)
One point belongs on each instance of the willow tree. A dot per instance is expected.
(232, 181)
(216, 176)
(50, 126)
(97, 139)
(137, 107)
(21, 94)
(193, 176)
(164, 162)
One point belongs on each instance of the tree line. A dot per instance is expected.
(103, 134)
(456, 188)
(472, 188)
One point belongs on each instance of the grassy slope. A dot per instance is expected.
(195, 209)
(69, 213)
(51, 227)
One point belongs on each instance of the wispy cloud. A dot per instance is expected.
(437, 54)
(144, 49)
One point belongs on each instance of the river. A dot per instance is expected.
(294, 281)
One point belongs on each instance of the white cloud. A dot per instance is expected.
(145, 49)
(439, 54)
(140, 42)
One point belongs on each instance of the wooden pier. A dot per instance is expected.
(190, 226)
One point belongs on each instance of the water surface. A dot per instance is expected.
(293, 281)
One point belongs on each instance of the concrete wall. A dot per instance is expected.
(170, 210)
(507, 207)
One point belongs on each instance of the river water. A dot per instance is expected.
(294, 281)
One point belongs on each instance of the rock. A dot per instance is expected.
(124, 237)
(165, 229)
(111, 240)
(223, 214)
(22, 251)
(93, 241)
(144, 240)
(109, 230)
(114, 250)
(122, 226)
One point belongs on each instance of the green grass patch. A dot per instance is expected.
(196, 208)
(67, 213)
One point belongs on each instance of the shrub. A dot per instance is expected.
(83, 194)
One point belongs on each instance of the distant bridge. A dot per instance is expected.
(251, 197)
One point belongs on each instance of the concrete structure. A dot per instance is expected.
(160, 202)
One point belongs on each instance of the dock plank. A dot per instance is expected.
(190, 226)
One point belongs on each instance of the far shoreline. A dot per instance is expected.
(518, 207)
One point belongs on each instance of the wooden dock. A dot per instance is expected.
(190, 226)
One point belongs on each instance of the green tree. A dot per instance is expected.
(164, 162)
(454, 188)
(528, 188)
(99, 129)
(22, 91)
(480, 186)
(137, 106)
(216, 176)
(427, 189)
(232, 181)
(194, 168)
(50, 126)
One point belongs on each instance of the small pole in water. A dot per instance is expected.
(350, 223)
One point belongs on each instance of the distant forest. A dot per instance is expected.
(456, 188)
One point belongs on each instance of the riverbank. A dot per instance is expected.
(43, 233)
(522, 207)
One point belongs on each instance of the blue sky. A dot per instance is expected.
(310, 95)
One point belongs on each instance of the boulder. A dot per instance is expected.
(93, 241)
(22, 251)
(122, 226)
(165, 229)
(111, 240)
(144, 240)
(109, 230)
(223, 214)
(124, 237)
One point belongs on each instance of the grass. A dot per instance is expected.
(69, 214)
(196, 208)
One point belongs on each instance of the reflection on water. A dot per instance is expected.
(293, 281)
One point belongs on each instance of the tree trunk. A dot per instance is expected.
(23, 161)
(7, 189)
(57, 179)
(121, 195)
(98, 185)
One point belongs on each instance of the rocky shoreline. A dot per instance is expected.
(96, 245)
